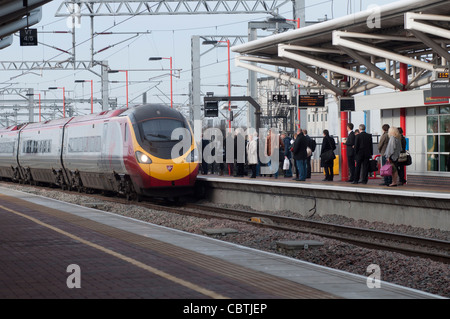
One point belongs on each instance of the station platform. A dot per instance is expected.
(51, 249)
(416, 205)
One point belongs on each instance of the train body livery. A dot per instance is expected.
(127, 151)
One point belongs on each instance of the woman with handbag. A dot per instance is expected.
(393, 152)
(327, 155)
(401, 166)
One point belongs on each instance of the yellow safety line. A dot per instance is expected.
(155, 271)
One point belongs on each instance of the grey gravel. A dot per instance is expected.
(414, 272)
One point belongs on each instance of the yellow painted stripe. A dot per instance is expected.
(139, 264)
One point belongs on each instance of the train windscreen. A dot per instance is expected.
(160, 130)
(157, 135)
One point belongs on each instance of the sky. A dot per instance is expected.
(163, 36)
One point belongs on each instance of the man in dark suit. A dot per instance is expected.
(300, 155)
(363, 152)
(350, 143)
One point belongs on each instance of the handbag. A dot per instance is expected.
(286, 164)
(386, 170)
(373, 165)
(405, 159)
(328, 156)
(308, 151)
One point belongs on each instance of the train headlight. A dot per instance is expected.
(142, 158)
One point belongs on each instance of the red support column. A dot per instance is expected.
(344, 168)
(404, 81)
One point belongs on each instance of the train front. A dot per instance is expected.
(163, 157)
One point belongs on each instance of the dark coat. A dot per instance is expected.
(300, 145)
(403, 140)
(287, 146)
(327, 144)
(350, 143)
(363, 146)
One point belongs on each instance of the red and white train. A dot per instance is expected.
(126, 151)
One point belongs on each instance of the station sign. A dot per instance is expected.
(281, 98)
(429, 99)
(28, 37)
(442, 75)
(440, 89)
(211, 109)
(347, 104)
(312, 100)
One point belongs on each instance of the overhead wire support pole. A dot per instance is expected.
(171, 75)
(229, 74)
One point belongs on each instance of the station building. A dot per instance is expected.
(386, 60)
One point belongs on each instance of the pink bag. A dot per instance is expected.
(386, 170)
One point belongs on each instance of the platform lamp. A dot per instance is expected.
(39, 94)
(157, 58)
(126, 79)
(92, 92)
(229, 73)
(64, 97)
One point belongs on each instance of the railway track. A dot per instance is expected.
(434, 249)
(438, 250)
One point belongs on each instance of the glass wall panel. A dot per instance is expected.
(432, 143)
(444, 143)
(444, 123)
(432, 124)
(432, 163)
(445, 163)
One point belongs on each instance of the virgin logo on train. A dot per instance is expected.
(169, 168)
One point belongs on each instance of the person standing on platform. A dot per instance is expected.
(286, 153)
(384, 140)
(363, 153)
(239, 152)
(271, 148)
(328, 144)
(291, 148)
(393, 152)
(401, 168)
(312, 146)
(300, 155)
(350, 143)
(252, 153)
(205, 142)
(228, 152)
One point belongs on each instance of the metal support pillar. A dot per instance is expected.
(30, 95)
(105, 82)
(252, 83)
(404, 81)
(299, 13)
(344, 161)
(195, 107)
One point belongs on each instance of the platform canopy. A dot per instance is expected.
(354, 53)
(16, 15)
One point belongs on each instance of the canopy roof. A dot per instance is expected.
(362, 50)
